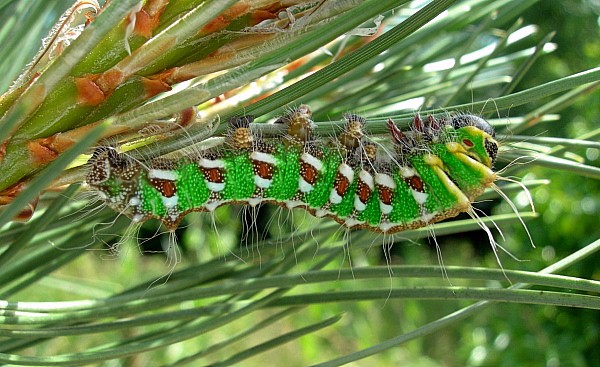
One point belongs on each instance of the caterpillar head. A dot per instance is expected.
(476, 136)
(111, 173)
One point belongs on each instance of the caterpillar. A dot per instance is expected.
(433, 171)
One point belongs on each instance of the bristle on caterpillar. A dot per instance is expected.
(434, 171)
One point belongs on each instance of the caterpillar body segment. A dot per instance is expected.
(434, 171)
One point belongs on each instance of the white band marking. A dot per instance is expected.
(304, 186)
(215, 186)
(334, 197)
(346, 171)
(162, 174)
(312, 160)
(420, 197)
(367, 178)
(407, 172)
(134, 201)
(170, 202)
(208, 163)
(262, 183)
(359, 205)
(385, 180)
(385, 208)
(263, 157)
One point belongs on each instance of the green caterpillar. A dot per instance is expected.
(434, 171)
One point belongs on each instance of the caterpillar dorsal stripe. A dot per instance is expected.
(434, 171)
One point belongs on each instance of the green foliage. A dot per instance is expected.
(306, 293)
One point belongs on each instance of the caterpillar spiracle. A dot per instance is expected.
(435, 170)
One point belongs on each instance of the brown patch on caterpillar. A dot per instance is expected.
(308, 172)
(214, 175)
(167, 188)
(341, 184)
(263, 169)
(363, 191)
(415, 183)
(385, 194)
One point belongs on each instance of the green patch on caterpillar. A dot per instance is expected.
(433, 171)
